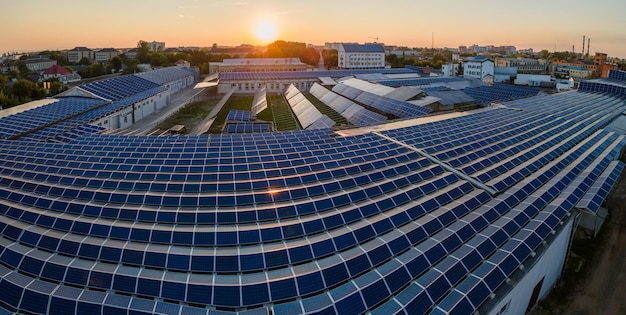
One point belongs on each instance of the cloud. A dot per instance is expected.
(182, 16)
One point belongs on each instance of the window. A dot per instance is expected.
(504, 308)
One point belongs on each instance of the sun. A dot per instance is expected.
(265, 31)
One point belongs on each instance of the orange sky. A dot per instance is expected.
(63, 24)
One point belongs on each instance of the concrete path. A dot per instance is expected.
(178, 100)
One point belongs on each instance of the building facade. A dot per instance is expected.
(576, 72)
(78, 53)
(356, 56)
(39, 63)
(156, 46)
(257, 65)
(479, 68)
(106, 54)
(523, 65)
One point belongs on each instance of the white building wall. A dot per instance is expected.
(478, 69)
(487, 69)
(449, 70)
(548, 267)
(124, 118)
(361, 60)
(275, 86)
(531, 79)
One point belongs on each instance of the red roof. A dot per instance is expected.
(56, 69)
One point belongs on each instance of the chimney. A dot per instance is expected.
(588, 42)
(583, 45)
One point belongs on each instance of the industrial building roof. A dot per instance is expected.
(431, 217)
(365, 48)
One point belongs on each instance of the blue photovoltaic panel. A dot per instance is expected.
(600, 189)
(247, 127)
(240, 115)
(499, 93)
(354, 113)
(388, 105)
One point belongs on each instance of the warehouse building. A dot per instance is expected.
(458, 213)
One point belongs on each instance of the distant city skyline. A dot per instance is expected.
(34, 25)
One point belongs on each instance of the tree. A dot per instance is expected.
(143, 51)
(56, 87)
(26, 91)
(116, 63)
(97, 69)
(331, 58)
(22, 68)
(284, 49)
(459, 70)
(83, 61)
(131, 66)
(157, 59)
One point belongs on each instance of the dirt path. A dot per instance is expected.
(604, 289)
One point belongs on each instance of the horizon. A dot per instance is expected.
(193, 23)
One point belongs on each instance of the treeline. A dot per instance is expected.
(20, 91)
(284, 49)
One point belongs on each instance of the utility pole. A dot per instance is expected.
(432, 42)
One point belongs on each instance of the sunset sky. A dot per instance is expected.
(30, 25)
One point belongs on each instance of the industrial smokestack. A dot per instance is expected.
(583, 46)
(588, 42)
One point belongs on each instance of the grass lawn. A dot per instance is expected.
(234, 102)
(326, 110)
(283, 116)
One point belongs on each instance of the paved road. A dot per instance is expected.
(178, 100)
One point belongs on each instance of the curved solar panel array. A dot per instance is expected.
(354, 113)
(298, 222)
(164, 75)
(120, 87)
(384, 104)
(34, 119)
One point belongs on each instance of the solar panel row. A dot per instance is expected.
(247, 127)
(420, 81)
(308, 115)
(119, 87)
(32, 120)
(354, 113)
(499, 93)
(240, 115)
(387, 105)
(259, 103)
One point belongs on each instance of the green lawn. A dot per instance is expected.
(283, 116)
(326, 110)
(234, 102)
